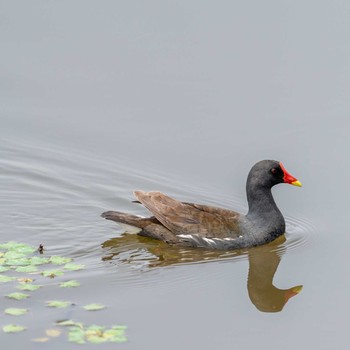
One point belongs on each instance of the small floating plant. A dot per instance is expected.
(20, 263)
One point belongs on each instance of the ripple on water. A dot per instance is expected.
(141, 254)
(299, 233)
(58, 195)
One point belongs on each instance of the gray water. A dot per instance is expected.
(102, 98)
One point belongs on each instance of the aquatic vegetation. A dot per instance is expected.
(17, 261)
(81, 334)
(70, 284)
(94, 307)
(58, 303)
(53, 332)
(25, 280)
(59, 260)
(18, 247)
(21, 258)
(41, 340)
(12, 328)
(52, 273)
(28, 286)
(4, 268)
(38, 260)
(17, 295)
(15, 311)
(27, 269)
(6, 278)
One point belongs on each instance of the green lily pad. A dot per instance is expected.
(18, 262)
(70, 284)
(19, 247)
(25, 280)
(116, 334)
(74, 267)
(15, 311)
(59, 260)
(94, 307)
(17, 296)
(28, 286)
(27, 269)
(52, 273)
(5, 245)
(4, 278)
(76, 335)
(12, 255)
(58, 303)
(69, 323)
(94, 333)
(12, 328)
(38, 260)
(3, 268)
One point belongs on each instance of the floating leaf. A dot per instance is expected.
(53, 332)
(27, 269)
(94, 307)
(11, 255)
(28, 286)
(52, 273)
(58, 303)
(18, 262)
(70, 284)
(41, 340)
(116, 334)
(74, 267)
(68, 323)
(3, 268)
(25, 280)
(38, 260)
(59, 260)
(96, 334)
(4, 278)
(19, 247)
(93, 334)
(25, 249)
(76, 335)
(12, 328)
(15, 311)
(17, 296)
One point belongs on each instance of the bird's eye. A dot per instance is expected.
(274, 171)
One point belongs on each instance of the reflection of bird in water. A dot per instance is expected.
(263, 263)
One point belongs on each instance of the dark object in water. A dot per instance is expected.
(196, 225)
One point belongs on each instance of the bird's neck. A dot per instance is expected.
(262, 206)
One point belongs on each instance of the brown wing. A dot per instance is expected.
(214, 210)
(187, 218)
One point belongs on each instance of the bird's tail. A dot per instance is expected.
(128, 219)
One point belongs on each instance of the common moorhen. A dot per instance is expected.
(196, 225)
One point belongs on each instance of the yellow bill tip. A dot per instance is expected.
(297, 289)
(296, 183)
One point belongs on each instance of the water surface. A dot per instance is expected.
(99, 100)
